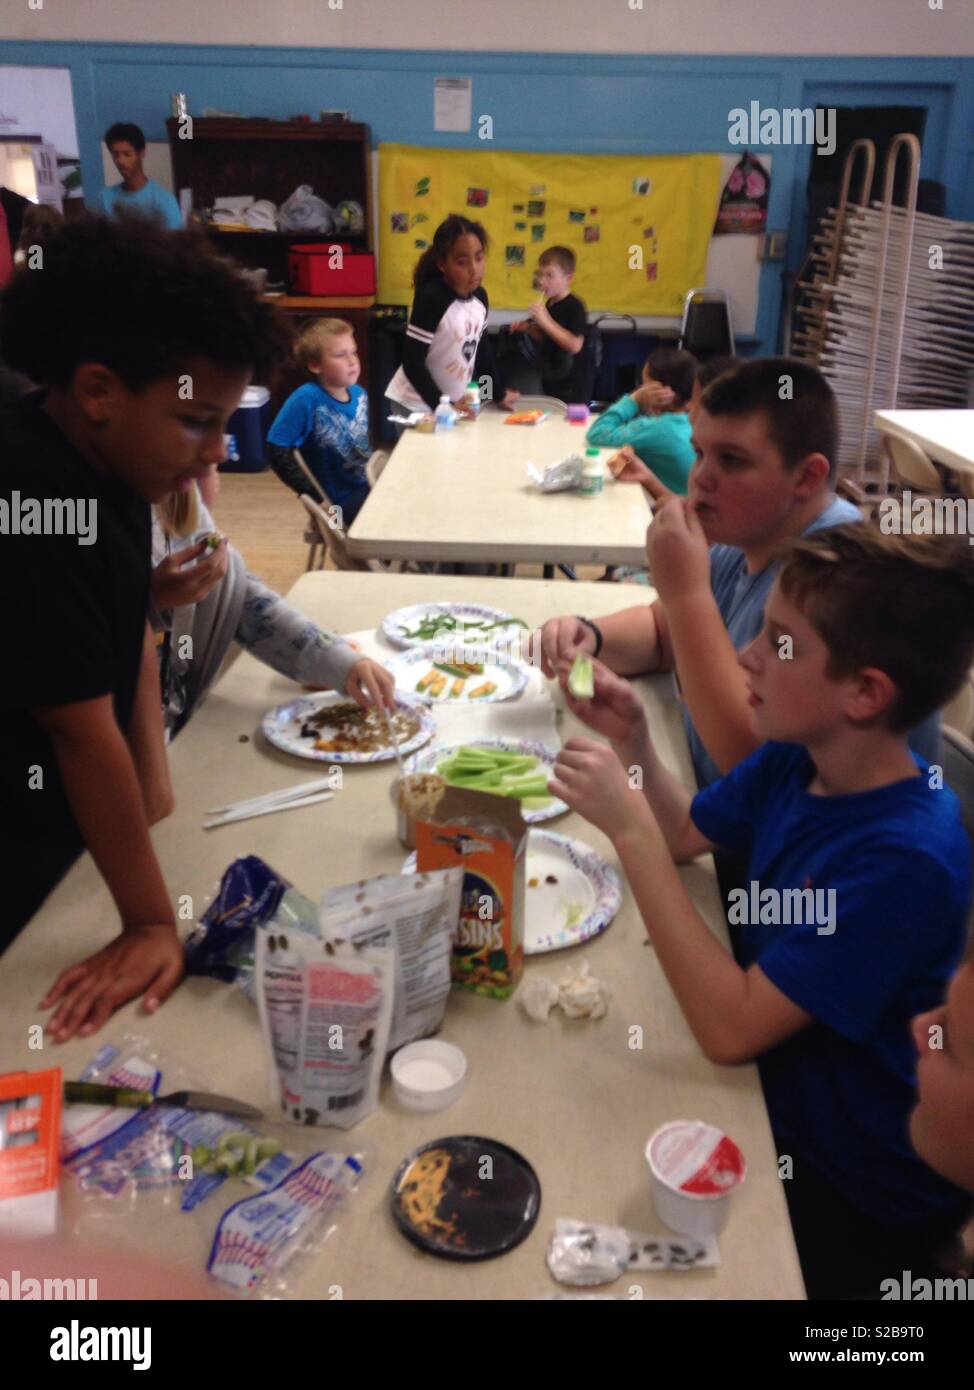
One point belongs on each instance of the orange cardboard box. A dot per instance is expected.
(487, 837)
(30, 1136)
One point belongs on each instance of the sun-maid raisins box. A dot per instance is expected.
(487, 837)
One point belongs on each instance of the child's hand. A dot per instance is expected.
(520, 326)
(176, 581)
(509, 399)
(627, 467)
(539, 311)
(561, 638)
(370, 684)
(615, 711)
(652, 396)
(463, 407)
(677, 551)
(590, 779)
(143, 960)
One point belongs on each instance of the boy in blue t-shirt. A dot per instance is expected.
(859, 881)
(327, 419)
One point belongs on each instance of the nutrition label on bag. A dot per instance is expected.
(327, 1023)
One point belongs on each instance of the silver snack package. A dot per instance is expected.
(558, 477)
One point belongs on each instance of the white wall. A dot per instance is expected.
(37, 101)
(857, 27)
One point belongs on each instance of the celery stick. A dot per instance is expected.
(581, 678)
(537, 786)
(536, 803)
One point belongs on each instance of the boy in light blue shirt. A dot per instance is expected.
(766, 442)
(137, 192)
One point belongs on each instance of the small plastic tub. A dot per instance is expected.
(429, 1074)
(694, 1168)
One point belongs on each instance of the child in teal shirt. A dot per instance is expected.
(653, 419)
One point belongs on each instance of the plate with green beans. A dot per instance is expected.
(460, 624)
(503, 766)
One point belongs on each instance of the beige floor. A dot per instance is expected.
(265, 521)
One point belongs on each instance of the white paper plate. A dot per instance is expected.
(402, 620)
(427, 759)
(282, 727)
(580, 904)
(411, 666)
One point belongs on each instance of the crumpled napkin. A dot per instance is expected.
(578, 994)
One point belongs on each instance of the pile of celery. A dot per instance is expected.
(505, 774)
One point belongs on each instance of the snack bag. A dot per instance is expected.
(414, 916)
(259, 1236)
(325, 1019)
(222, 942)
(486, 836)
(251, 894)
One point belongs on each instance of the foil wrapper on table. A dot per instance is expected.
(558, 477)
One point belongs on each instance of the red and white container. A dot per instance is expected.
(694, 1168)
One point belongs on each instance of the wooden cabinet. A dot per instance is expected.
(228, 157)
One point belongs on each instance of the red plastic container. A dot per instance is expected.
(311, 270)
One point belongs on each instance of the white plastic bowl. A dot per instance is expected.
(429, 1074)
(694, 1168)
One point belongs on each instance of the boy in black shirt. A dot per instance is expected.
(556, 328)
(142, 342)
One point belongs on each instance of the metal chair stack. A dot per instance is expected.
(888, 313)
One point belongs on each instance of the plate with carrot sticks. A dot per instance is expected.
(448, 676)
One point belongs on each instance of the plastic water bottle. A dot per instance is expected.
(445, 417)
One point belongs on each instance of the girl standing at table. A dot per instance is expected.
(446, 342)
(213, 599)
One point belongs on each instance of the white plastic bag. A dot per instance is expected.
(304, 211)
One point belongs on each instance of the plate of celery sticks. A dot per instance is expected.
(446, 676)
(504, 766)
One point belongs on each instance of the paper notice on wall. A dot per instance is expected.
(46, 174)
(452, 103)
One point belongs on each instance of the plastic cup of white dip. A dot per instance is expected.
(429, 1074)
(694, 1167)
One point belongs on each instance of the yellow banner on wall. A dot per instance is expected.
(639, 225)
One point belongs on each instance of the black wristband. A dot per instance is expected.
(596, 629)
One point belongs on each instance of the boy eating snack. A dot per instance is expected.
(859, 882)
(143, 342)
